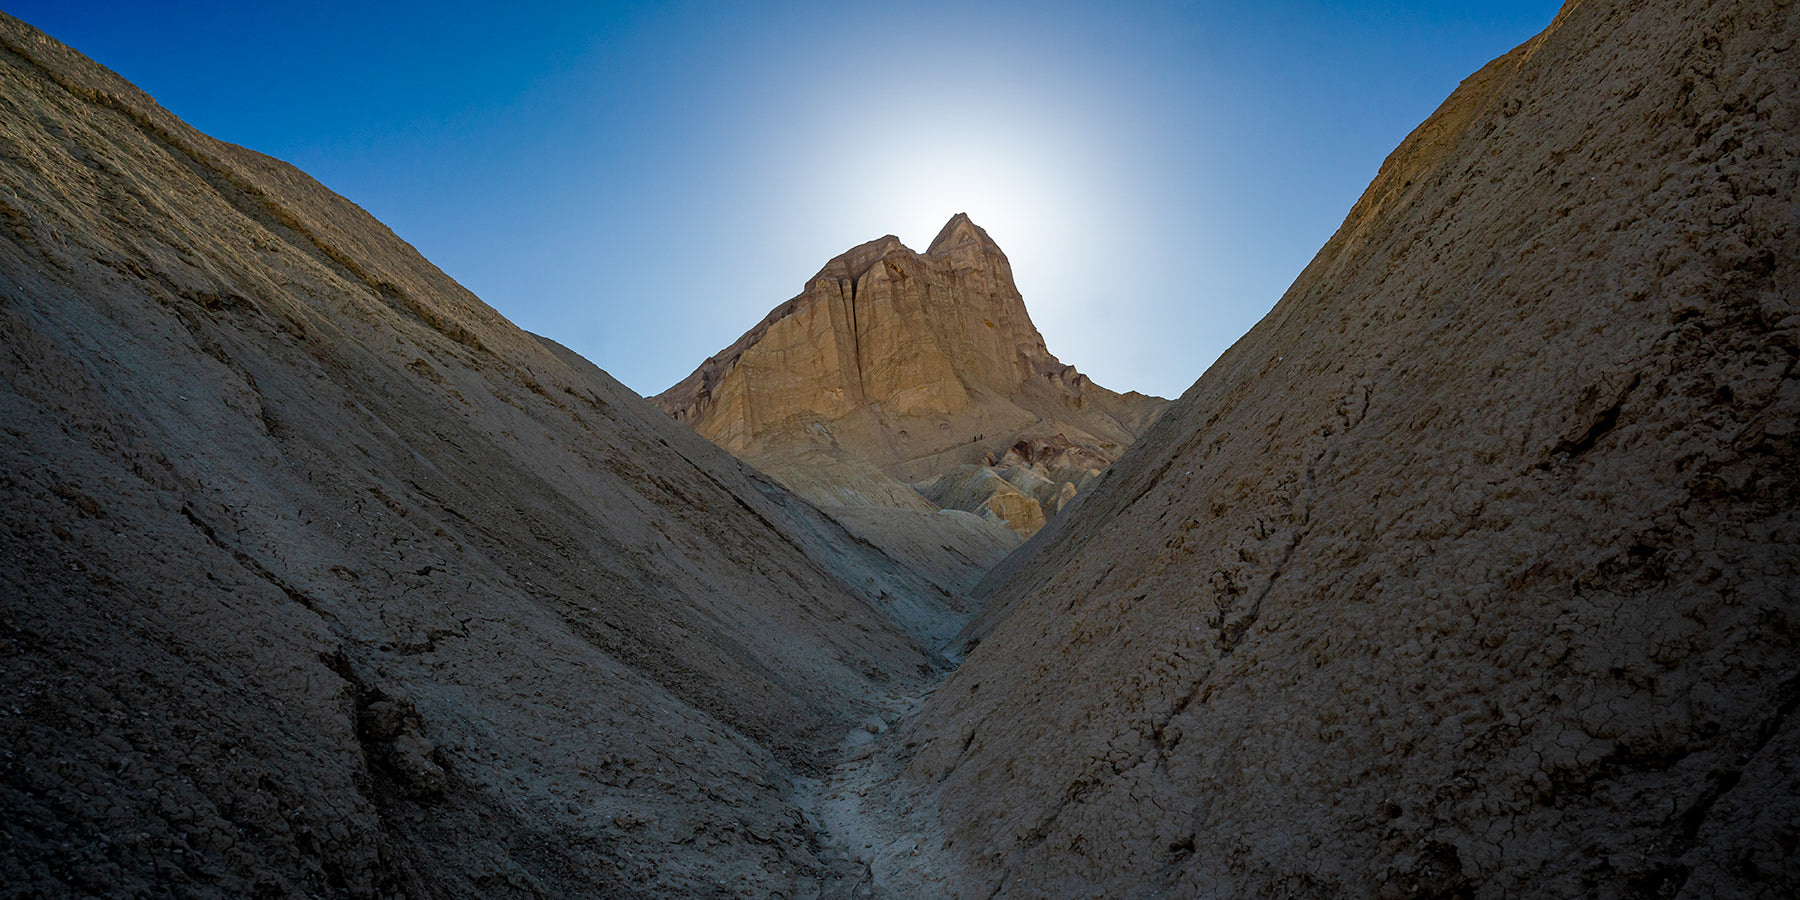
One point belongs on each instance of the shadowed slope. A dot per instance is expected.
(317, 577)
(1471, 570)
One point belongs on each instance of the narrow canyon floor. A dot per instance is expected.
(882, 839)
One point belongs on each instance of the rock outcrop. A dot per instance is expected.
(1473, 570)
(894, 368)
(319, 578)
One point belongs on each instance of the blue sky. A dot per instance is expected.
(643, 182)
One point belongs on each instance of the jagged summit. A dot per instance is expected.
(960, 230)
(896, 367)
(857, 260)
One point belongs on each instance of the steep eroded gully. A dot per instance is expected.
(872, 832)
(882, 836)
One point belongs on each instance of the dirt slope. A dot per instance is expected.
(318, 578)
(1474, 569)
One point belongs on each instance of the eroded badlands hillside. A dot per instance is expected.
(1470, 572)
(318, 578)
(1474, 569)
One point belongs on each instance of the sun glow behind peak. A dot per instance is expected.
(1024, 186)
(1003, 139)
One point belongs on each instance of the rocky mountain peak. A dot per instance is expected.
(962, 230)
(857, 261)
(894, 368)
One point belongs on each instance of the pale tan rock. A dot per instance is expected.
(913, 364)
(993, 493)
(1473, 570)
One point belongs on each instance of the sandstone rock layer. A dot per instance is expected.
(896, 367)
(1473, 570)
